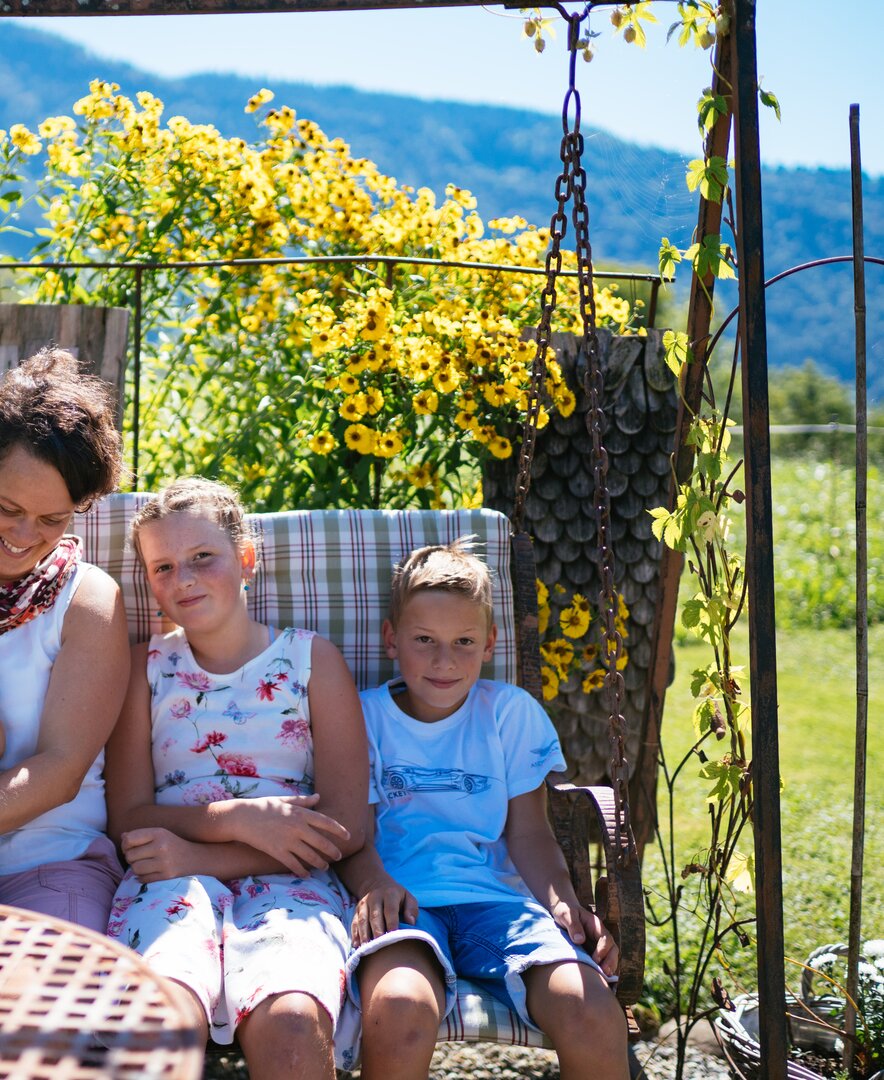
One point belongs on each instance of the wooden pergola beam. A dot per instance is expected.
(44, 8)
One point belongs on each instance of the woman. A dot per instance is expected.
(64, 656)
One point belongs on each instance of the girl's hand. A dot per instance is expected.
(157, 854)
(585, 927)
(287, 829)
(380, 909)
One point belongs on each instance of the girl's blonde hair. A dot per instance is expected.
(195, 493)
(454, 568)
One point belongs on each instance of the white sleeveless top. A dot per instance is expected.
(26, 658)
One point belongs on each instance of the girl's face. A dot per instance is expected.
(35, 512)
(195, 570)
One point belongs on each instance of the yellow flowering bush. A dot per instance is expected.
(349, 380)
(571, 642)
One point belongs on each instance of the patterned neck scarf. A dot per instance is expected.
(22, 600)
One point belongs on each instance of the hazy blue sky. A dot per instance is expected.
(816, 60)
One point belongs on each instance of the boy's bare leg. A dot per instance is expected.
(573, 1004)
(403, 1000)
(288, 1037)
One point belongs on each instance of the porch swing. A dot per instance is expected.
(330, 571)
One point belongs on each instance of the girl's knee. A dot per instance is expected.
(571, 1001)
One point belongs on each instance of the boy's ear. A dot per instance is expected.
(490, 643)
(389, 636)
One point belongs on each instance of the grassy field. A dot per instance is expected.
(817, 718)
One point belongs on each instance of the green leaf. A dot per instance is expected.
(740, 872)
(771, 101)
(677, 350)
(668, 258)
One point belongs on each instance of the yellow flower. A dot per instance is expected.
(542, 592)
(420, 476)
(550, 682)
(543, 614)
(496, 394)
(388, 445)
(353, 407)
(594, 681)
(445, 380)
(348, 383)
(374, 400)
(566, 400)
(323, 443)
(590, 654)
(359, 437)
(25, 140)
(426, 402)
(257, 100)
(574, 621)
(500, 447)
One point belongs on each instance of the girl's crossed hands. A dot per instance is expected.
(288, 829)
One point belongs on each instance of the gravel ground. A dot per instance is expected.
(483, 1061)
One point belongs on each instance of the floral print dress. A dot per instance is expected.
(241, 735)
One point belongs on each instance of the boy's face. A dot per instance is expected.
(441, 642)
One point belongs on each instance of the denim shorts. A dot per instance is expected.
(491, 944)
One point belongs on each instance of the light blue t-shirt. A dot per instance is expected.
(442, 790)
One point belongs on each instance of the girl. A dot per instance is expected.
(236, 776)
(64, 654)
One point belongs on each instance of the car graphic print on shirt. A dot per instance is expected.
(399, 780)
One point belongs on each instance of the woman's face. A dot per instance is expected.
(35, 511)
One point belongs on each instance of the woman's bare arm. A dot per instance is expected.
(83, 698)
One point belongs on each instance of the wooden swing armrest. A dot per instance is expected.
(582, 817)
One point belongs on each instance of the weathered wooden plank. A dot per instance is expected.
(95, 335)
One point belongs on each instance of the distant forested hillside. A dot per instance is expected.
(509, 159)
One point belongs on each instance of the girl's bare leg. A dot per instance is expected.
(288, 1037)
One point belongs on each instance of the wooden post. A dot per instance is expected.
(96, 335)
(759, 556)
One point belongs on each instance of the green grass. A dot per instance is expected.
(817, 718)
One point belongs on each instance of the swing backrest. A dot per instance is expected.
(324, 570)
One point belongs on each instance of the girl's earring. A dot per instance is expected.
(159, 613)
(245, 586)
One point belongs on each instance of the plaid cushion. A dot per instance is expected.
(479, 1017)
(325, 570)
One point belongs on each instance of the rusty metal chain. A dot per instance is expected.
(571, 183)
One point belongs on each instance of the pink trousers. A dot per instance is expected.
(79, 890)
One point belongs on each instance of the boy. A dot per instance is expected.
(466, 877)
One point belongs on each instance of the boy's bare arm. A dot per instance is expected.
(539, 859)
(383, 902)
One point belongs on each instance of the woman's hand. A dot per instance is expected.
(585, 927)
(288, 829)
(158, 854)
(381, 909)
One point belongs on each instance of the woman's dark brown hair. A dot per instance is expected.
(55, 411)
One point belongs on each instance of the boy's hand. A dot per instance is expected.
(585, 927)
(156, 854)
(286, 828)
(381, 909)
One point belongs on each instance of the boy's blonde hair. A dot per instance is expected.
(454, 568)
(195, 493)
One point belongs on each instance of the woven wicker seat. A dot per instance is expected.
(77, 1006)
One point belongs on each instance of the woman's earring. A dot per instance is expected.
(245, 586)
(159, 613)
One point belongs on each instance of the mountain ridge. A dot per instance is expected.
(509, 158)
